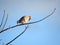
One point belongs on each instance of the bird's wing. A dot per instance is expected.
(22, 18)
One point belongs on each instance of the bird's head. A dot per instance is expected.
(17, 21)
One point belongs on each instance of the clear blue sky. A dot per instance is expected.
(46, 32)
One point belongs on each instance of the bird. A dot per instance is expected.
(24, 19)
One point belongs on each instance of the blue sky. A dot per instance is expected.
(46, 32)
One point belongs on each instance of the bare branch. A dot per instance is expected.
(30, 22)
(2, 19)
(5, 22)
(17, 36)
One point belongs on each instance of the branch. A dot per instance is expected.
(30, 22)
(5, 22)
(17, 36)
(2, 19)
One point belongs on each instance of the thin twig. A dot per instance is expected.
(2, 19)
(5, 22)
(17, 36)
(30, 22)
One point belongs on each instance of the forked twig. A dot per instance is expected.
(5, 22)
(18, 35)
(29, 23)
(2, 19)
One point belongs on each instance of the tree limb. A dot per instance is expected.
(17, 36)
(30, 22)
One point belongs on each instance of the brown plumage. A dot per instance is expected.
(24, 19)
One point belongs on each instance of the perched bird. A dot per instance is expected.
(24, 19)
